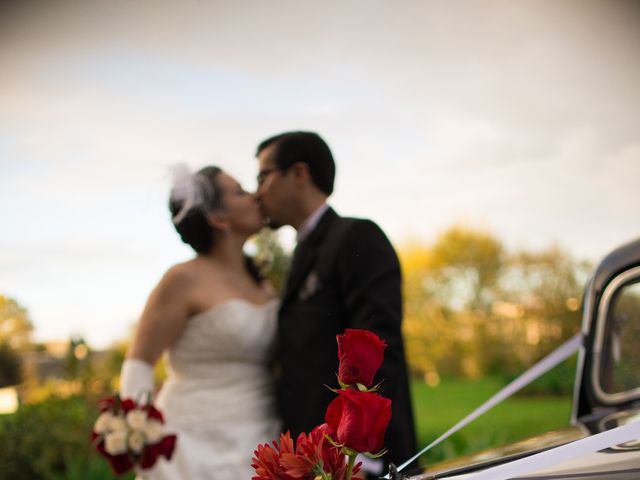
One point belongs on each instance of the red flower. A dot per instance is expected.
(153, 412)
(266, 460)
(127, 405)
(107, 404)
(121, 463)
(163, 448)
(356, 421)
(361, 353)
(314, 453)
(335, 462)
(359, 420)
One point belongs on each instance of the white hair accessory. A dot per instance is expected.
(187, 189)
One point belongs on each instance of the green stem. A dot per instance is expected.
(319, 471)
(352, 461)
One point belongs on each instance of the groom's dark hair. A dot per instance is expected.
(305, 147)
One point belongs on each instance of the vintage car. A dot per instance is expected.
(603, 438)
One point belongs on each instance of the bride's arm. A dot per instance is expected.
(162, 321)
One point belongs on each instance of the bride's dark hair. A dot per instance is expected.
(192, 224)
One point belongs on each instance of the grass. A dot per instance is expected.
(439, 408)
(53, 436)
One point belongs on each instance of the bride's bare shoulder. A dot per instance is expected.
(180, 275)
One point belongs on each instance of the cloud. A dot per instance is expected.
(517, 116)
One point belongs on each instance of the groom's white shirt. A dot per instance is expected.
(311, 222)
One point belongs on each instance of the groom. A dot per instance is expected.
(344, 274)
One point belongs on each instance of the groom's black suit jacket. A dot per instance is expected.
(344, 275)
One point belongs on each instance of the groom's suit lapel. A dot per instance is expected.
(306, 254)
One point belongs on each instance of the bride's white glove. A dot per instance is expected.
(136, 379)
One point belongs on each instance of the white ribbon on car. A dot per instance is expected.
(563, 453)
(556, 357)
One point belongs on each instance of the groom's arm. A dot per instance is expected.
(371, 284)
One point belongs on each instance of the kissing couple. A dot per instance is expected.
(244, 364)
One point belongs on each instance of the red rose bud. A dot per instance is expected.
(361, 353)
(153, 412)
(107, 404)
(120, 464)
(359, 420)
(127, 405)
(151, 453)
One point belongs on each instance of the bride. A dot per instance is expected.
(214, 318)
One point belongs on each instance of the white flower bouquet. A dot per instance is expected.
(130, 434)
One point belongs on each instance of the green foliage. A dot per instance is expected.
(473, 308)
(50, 441)
(92, 468)
(77, 361)
(10, 366)
(558, 381)
(465, 268)
(271, 258)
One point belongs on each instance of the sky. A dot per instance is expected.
(520, 118)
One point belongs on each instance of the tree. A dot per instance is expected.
(15, 326)
(426, 330)
(465, 267)
(449, 289)
(10, 366)
(546, 288)
(472, 308)
(15, 335)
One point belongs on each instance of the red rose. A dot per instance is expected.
(127, 405)
(123, 462)
(107, 404)
(120, 464)
(153, 412)
(151, 453)
(361, 353)
(359, 420)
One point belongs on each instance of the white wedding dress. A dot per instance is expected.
(219, 394)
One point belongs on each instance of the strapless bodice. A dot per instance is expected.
(236, 332)
(219, 394)
(220, 367)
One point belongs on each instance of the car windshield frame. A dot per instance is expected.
(603, 331)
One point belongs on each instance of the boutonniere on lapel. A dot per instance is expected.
(310, 286)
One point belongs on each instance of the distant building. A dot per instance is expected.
(49, 361)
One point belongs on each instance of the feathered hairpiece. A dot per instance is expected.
(187, 189)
